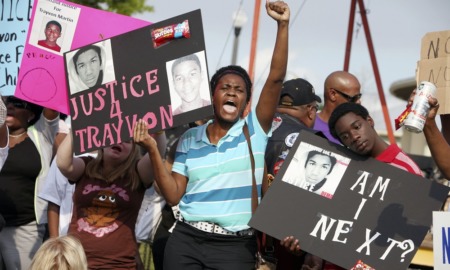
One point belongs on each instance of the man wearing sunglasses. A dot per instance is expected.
(339, 87)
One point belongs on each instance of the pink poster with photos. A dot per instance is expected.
(57, 27)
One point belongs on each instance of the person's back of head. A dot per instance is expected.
(341, 87)
(60, 253)
(298, 99)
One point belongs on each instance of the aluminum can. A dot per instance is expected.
(415, 121)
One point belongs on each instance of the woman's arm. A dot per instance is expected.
(71, 167)
(172, 186)
(145, 169)
(53, 219)
(270, 94)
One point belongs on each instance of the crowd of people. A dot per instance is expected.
(192, 201)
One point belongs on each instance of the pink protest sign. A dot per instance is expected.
(57, 27)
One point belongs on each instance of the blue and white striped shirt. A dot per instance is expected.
(219, 176)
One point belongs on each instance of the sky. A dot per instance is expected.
(318, 33)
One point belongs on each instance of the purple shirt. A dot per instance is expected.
(320, 125)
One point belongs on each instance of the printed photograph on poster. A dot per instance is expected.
(90, 66)
(54, 26)
(373, 215)
(115, 82)
(188, 83)
(316, 170)
(51, 34)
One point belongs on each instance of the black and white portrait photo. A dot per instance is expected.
(316, 170)
(90, 66)
(188, 83)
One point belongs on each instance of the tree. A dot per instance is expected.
(125, 7)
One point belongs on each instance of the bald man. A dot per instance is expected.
(339, 87)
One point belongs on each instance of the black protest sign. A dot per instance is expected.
(115, 82)
(374, 212)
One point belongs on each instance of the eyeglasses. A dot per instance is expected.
(313, 106)
(16, 102)
(348, 97)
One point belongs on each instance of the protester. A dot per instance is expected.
(339, 87)
(60, 253)
(352, 125)
(108, 194)
(187, 80)
(216, 205)
(52, 33)
(296, 111)
(30, 151)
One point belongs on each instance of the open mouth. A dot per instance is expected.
(230, 106)
(116, 148)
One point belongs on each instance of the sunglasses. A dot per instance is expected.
(17, 103)
(349, 98)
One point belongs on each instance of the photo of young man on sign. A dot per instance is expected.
(53, 30)
(316, 170)
(188, 83)
(90, 66)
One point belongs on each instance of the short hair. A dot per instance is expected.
(54, 23)
(312, 153)
(342, 110)
(85, 49)
(232, 69)
(60, 253)
(190, 57)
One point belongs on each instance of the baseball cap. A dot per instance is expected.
(301, 92)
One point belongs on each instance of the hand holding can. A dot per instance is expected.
(415, 121)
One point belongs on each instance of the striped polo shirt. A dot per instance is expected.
(219, 176)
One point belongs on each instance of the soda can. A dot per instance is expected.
(415, 121)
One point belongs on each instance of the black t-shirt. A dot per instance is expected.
(17, 183)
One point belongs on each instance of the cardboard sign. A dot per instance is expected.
(441, 240)
(376, 214)
(434, 65)
(115, 82)
(14, 21)
(41, 78)
(435, 45)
